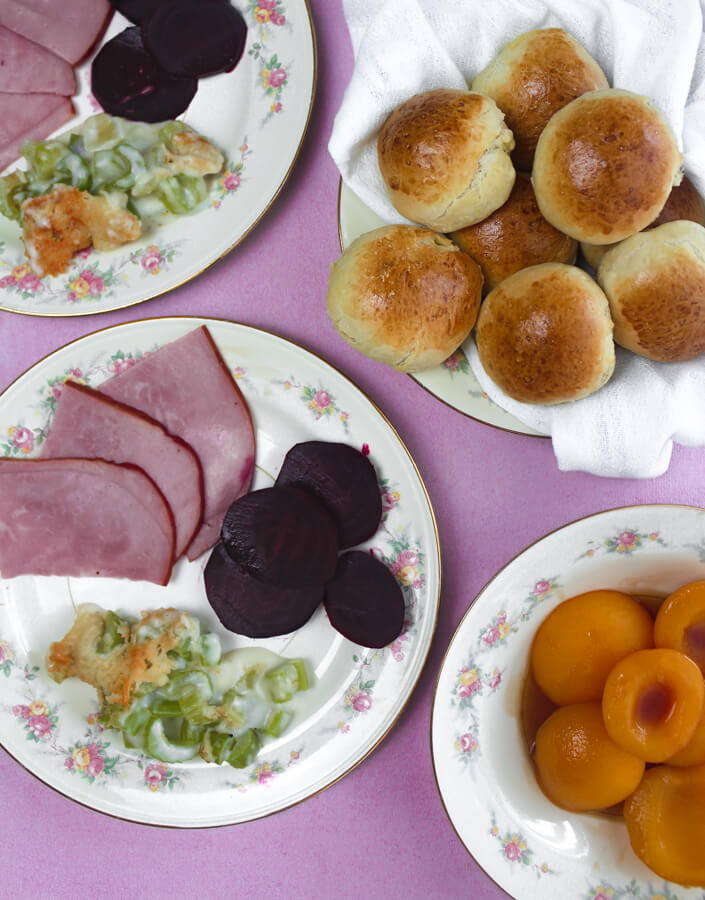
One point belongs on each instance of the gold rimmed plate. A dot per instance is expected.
(480, 754)
(357, 693)
(257, 115)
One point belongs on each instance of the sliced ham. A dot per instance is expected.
(187, 387)
(83, 517)
(89, 424)
(68, 28)
(25, 116)
(28, 68)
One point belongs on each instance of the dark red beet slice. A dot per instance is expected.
(282, 535)
(364, 601)
(127, 81)
(248, 606)
(136, 10)
(193, 38)
(343, 479)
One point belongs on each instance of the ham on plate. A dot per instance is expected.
(90, 425)
(68, 28)
(187, 387)
(29, 68)
(25, 116)
(83, 517)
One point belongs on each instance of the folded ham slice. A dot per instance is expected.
(24, 116)
(83, 517)
(187, 387)
(29, 68)
(89, 424)
(68, 28)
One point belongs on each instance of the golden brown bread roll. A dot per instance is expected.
(544, 335)
(655, 284)
(684, 202)
(533, 77)
(405, 296)
(444, 157)
(604, 166)
(514, 237)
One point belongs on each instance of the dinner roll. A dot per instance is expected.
(604, 166)
(655, 284)
(533, 77)
(444, 157)
(405, 296)
(514, 237)
(684, 202)
(544, 335)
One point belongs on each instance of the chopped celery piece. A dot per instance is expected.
(286, 679)
(216, 745)
(160, 747)
(195, 709)
(191, 734)
(277, 722)
(169, 129)
(107, 167)
(245, 750)
(184, 680)
(210, 649)
(101, 132)
(111, 637)
(44, 156)
(78, 146)
(11, 187)
(182, 193)
(167, 709)
(73, 170)
(137, 176)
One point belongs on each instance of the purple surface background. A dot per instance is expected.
(382, 830)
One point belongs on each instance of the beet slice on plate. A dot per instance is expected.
(251, 607)
(343, 479)
(364, 601)
(136, 10)
(282, 535)
(127, 81)
(193, 38)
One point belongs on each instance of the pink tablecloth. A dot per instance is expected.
(382, 830)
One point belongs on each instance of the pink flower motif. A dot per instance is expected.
(30, 283)
(267, 4)
(276, 107)
(7, 282)
(491, 635)
(86, 252)
(467, 690)
(40, 726)
(68, 762)
(361, 702)
(468, 743)
(265, 776)
(21, 712)
(152, 259)
(388, 500)
(231, 181)
(277, 77)
(365, 450)
(277, 19)
(627, 537)
(322, 399)
(407, 558)
(154, 774)
(95, 766)
(2, 660)
(542, 587)
(23, 439)
(512, 851)
(121, 365)
(496, 680)
(451, 363)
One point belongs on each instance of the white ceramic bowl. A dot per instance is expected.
(526, 844)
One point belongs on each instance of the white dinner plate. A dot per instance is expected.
(257, 115)
(357, 693)
(526, 844)
(453, 382)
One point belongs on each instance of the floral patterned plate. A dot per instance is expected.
(357, 693)
(257, 114)
(526, 844)
(453, 382)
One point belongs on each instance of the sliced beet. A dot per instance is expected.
(251, 607)
(343, 479)
(282, 535)
(136, 10)
(195, 38)
(127, 81)
(364, 601)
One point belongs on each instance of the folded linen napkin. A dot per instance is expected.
(651, 47)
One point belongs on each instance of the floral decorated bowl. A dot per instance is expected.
(485, 777)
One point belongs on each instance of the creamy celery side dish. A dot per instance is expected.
(101, 183)
(169, 690)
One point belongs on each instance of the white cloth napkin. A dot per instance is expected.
(651, 47)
